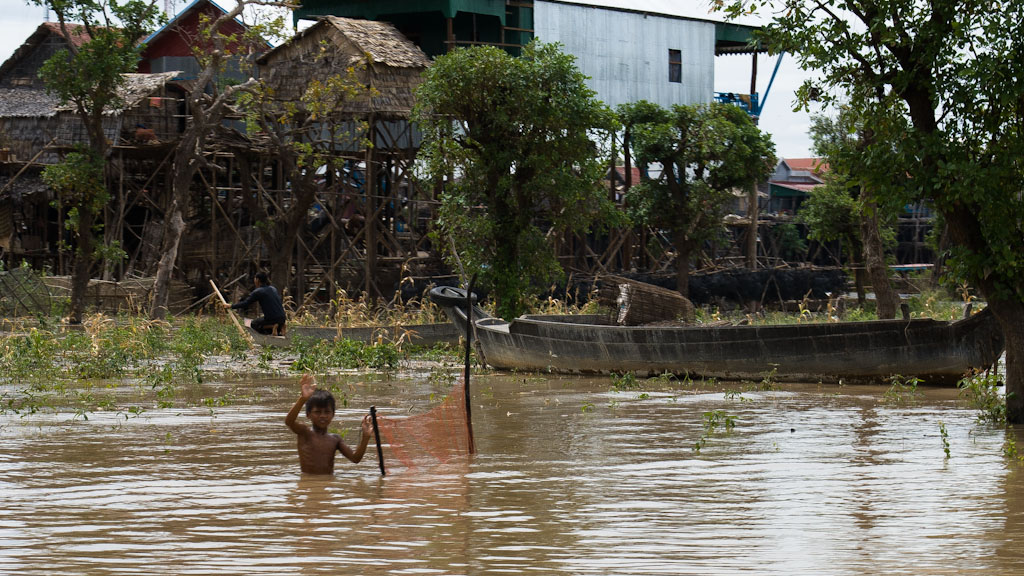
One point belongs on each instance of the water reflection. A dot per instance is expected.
(571, 478)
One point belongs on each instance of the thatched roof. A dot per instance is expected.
(382, 42)
(26, 103)
(26, 184)
(45, 30)
(379, 42)
(137, 87)
(381, 56)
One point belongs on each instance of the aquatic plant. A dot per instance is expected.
(317, 356)
(713, 420)
(770, 381)
(735, 395)
(944, 434)
(624, 381)
(1010, 451)
(984, 392)
(902, 390)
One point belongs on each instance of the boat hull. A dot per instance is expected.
(933, 351)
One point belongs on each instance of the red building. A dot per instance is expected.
(173, 46)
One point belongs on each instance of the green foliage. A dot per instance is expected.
(984, 393)
(859, 183)
(939, 85)
(78, 179)
(626, 381)
(89, 75)
(902, 390)
(831, 213)
(713, 420)
(706, 152)
(791, 244)
(519, 136)
(317, 356)
(944, 434)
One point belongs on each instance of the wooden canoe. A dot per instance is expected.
(936, 352)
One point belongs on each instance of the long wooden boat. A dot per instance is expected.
(936, 352)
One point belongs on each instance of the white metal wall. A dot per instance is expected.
(625, 54)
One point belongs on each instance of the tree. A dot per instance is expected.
(864, 217)
(89, 76)
(207, 103)
(306, 137)
(511, 139)
(942, 81)
(705, 153)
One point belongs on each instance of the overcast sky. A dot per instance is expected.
(732, 74)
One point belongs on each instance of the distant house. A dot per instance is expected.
(27, 112)
(36, 130)
(21, 70)
(621, 180)
(382, 58)
(793, 179)
(171, 47)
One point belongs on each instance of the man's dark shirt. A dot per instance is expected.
(270, 303)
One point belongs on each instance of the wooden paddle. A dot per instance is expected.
(231, 313)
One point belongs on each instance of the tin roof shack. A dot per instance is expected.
(172, 46)
(357, 235)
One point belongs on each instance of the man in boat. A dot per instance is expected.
(317, 447)
(270, 305)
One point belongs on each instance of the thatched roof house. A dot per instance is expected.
(22, 68)
(31, 119)
(382, 57)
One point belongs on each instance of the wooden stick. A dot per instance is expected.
(234, 318)
(465, 375)
(376, 436)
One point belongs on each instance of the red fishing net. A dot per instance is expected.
(433, 437)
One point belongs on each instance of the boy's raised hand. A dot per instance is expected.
(367, 426)
(308, 386)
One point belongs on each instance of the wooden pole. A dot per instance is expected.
(245, 333)
(376, 436)
(465, 374)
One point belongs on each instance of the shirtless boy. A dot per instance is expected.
(317, 447)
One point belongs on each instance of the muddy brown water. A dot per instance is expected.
(571, 478)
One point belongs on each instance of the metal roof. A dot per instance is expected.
(690, 9)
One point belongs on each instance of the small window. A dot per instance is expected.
(675, 66)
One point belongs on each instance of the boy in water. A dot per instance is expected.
(317, 447)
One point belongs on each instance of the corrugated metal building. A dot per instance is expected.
(657, 50)
(637, 55)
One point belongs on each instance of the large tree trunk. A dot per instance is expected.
(964, 229)
(82, 271)
(874, 259)
(174, 228)
(1011, 319)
